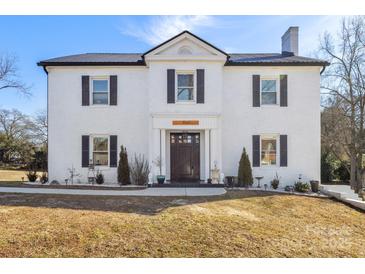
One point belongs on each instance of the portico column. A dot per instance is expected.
(155, 151)
(163, 151)
(206, 154)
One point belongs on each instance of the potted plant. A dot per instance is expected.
(314, 186)
(275, 182)
(99, 178)
(160, 178)
(209, 180)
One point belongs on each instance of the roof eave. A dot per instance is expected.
(320, 64)
(58, 64)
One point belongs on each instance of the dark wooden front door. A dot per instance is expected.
(185, 156)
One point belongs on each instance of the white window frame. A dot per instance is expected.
(277, 79)
(277, 156)
(91, 153)
(177, 87)
(92, 89)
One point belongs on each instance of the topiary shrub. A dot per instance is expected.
(301, 187)
(123, 167)
(244, 177)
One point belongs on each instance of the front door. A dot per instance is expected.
(185, 156)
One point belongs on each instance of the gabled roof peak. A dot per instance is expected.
(180, 34)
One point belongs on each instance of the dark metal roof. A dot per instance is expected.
(96, 59)
(272, 59)
(135, 59)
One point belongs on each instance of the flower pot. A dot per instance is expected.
(314, 186)
(230, 181)
(209, 181)
(160, 179)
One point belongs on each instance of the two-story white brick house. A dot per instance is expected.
(189, 103)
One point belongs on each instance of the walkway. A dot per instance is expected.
(144, 192)
(343, 193)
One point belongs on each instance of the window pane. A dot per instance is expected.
(100, 98)
(185, 94)
(100, 85)
(100, 158)
(185, 80)
(100, 144)
(268, 85)
(268, 98)
(268, 152)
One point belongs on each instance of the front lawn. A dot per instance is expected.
(238, 224)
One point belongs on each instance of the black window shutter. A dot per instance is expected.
(113, 90)
(283, 90)
(255, 150)
(200, 86)
(113, 150)
(283, 150)
(85, 151)
(85, 82)
(170, 86)
(255, 90)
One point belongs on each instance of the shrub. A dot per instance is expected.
(123, 167)
(32, 175)
(244, 170)
(288, 188)
(301, 187)
(342, 172)
(328, 165)
(99, 178)
(43, 178)
(275, 182)
(139, 170)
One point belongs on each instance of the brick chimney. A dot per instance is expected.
(289, 41)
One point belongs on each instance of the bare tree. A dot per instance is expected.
(40, 126)
(16, 135)
(344, 84)
(9, 78)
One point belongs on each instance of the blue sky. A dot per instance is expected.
(35, 38)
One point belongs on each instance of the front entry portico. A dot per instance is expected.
(188, 146)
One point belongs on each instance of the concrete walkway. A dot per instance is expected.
(142, 192)
(343, 193)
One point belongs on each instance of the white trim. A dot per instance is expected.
(215, 53)
(91, 151)
(92, 78)
(277, 79)
(271, 136)
(187, 72)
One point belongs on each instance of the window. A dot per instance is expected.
(100, 94)
(268, 151)
(268, 91)
(185, 87)
(100, 151)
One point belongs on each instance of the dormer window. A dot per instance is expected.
(185, 87)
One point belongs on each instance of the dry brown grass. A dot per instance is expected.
(13, 177)
(239, 224)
